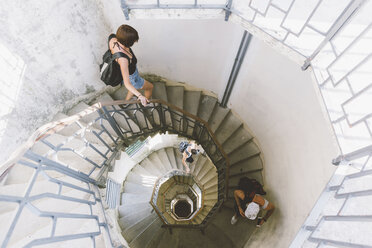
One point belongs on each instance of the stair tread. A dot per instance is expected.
(217, 117)
(175, 95)
(162, 155)
(131, 232)
(245, 166)
(244, 152)
(228, 126)
(206, 106)
(145, 237)
(245, 227)
(191, 101)
(238, 138)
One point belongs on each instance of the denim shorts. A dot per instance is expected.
(136, 80)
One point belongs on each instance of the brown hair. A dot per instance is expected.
(127, 35)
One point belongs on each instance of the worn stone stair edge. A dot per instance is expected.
(156, 78)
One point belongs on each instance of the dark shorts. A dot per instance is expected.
(190, 159)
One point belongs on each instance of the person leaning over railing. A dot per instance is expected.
(121, 42)
(248, 202)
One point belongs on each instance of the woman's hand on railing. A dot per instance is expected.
(144, 100)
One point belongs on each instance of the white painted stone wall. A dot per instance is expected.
(280, 104)
(49, 54)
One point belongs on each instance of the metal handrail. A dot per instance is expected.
(53, 127)
(114, 132)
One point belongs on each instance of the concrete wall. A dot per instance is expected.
(49, 54)
(279, 103)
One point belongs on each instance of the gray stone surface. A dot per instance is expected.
(229, 125)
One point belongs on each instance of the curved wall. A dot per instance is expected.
(57, 47)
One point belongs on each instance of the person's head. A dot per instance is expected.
(246, 185)
(127, 35)
(194, 151)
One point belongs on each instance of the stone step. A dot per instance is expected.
(155, 241)
(140, 177)
(130, 198)
(136, 214)
(74, 153)
(228, 126)
(82, 130)
(126, 124)
(137, 188)
(160, 92)
(233, 180)
(239, 233)
(191, 105)
(212, 175)
(245, 151)
(218, 236)
(145, 236)
(356, 183)
(171, 157)
(246, 166)
(193, 165)
(206, 106)
(175, 97)
(65, 226)
(178, 157)
(204, 170)
(168, 239)
(218, 115)
(157, 162)
(162, 154)
(199, 165)
(237, 139)
(128, 210)
(132, 231)
(152, 169)
(92, 119)
(137, 116)
(211, 185)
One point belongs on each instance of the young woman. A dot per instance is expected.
(192, 149)
(246, 194)
(122, 42)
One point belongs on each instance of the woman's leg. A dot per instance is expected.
(129, 95)
(147, 87)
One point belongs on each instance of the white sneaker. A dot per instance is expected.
(234, 220)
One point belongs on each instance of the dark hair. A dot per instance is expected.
(246, 185)
(127, 35)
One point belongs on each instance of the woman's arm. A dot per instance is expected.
(269, 207)
(239, 195)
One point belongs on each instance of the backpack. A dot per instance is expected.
(110, 70)
(183, 145)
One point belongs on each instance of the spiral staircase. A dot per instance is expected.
(97, 158)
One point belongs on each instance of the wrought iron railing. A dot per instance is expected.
(54, 178)
(49, 187)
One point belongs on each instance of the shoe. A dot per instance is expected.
(234, 220)
(258, 222)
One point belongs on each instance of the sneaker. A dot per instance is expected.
(258, 222)
(234, 220)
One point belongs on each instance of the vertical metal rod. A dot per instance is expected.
(236, 67)
(228, 10)
(113, 123)
(125, 8)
